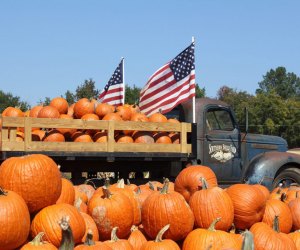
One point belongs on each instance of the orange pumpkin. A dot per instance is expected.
(35, 110)
(82, 107)
(103, 109)
(67, 194)
(188, 181)
(53, 136)
(164, 207)
(60, 104)
(38, 243)
(35, 177)
(46, 221)
(90, 224)
(48, 112)
(115, 243)
(100, 136)
(158, 117)
(14, 220)
(136, 238)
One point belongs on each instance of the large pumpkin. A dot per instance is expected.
(47, 220)
(249, 204)
(82, 107)
(188, 180)
(14, 220)
(164, 207)
(35, 177)
(60, 104)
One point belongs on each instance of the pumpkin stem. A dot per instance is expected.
(138, 191)
(232, 229)
(283, 197)
(107, 182)
(248, 243)
(89, 239)
(106, 191)
(67, 241)
(204, 183)
(113, 235)
(276, 224)
(121, 183)
(2, 192)
(133, 228)
(165, 187)
(37, 241)
(213, 224)
(161, 232)
(151, 186)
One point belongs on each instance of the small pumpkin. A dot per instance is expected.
(83, 106)
(136, 238)
(67, 194)
(115, 243)
(48, 112)
(38, 243)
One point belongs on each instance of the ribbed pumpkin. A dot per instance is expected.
(210, 238)
(67, 194)
(208, 204)
(88, 189)
(274, 208)
(164, 207)
(124, 139)
(294, 206)
(38, 244)
(35, 110)
(139, 117)
(100, 137)
(142, 137)
(124, 112)
(47, 219)
(109, 211)
(249, 204)
(14, 220)
(90, 224)
(35, 177)
(60, 104)
(157, 117)
(162, 137)
(103, 109)
(136, 238)
(53, 136)
(295, 236)
(83, 106)
(159, 243)
(117, 244)
(188, 181)
(266, 237)
(48, 112)
(13, 112)
(80, 136)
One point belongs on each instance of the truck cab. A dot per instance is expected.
(235, 156)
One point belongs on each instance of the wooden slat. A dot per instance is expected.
(5, 134)
(183, 138)
(12, 134)
(27, 132)
(110, 137)
(13, 146)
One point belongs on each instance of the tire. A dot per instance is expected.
(287, 177)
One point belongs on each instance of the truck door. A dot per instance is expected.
(221, 144)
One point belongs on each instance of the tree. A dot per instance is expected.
(199, 92)
(8, 100)
(132, 95)
(286, 85)
(70, 97)
(86, 90)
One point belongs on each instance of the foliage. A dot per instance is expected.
(200, 92)
(7, 99)
(86, 90)
(286, 85)
(132, 95)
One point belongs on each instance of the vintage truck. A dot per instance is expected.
(214, 140)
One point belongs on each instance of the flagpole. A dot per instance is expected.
(194, 97)
(123, 72)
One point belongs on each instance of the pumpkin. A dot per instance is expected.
(266, 237)
(159, 243)
(136, 238)
(103, 109)
(249, 204)
(294, 206)
(91, 244)
(80, 136)
(109, 211)
(83, 106)
(274, 208)
(116, 244)
(71, 110)
(80, 194)
(46, 221)
(139, 117)
(208, 204)
(67, 194)
(35, 110)
(67, 239)
(164, 207)
(112, 117)
(54, 136)
(90, 226)
(124, 112)
(14, 220)
(38, 135)
(60, 104)
(67, 132)
(80, 205)
(210, 238)
(295, 236)
(100, 136)
(142, 137)
(35, 177)
(48, 112)
(142, 193)
(162, 137)
(157, 117)
(188, 182)
(88, 189)
(37, 243)
(124, 139)
(13, 112)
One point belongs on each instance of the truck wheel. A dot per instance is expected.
(287, 177)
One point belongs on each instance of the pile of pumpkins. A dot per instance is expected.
(40, 209)
(86, 109)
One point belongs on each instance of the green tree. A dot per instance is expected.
(199, 92)
(86, 90)
(8, 100)
(285, 84)
(132, 95)
(70, 97)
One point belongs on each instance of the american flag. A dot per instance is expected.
(170, 85)
(113, 92)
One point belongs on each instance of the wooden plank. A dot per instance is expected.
(12, 134)
(12, 146)
(12, 121)
(111, 136)
(27, 132)
(5, 134)
(183, 138)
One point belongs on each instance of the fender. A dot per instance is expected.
(264, 167)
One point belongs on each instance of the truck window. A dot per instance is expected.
(219, 119)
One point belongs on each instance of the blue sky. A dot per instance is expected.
(49, 47)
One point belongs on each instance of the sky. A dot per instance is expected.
(50, 47)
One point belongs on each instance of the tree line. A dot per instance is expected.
(274, 109)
